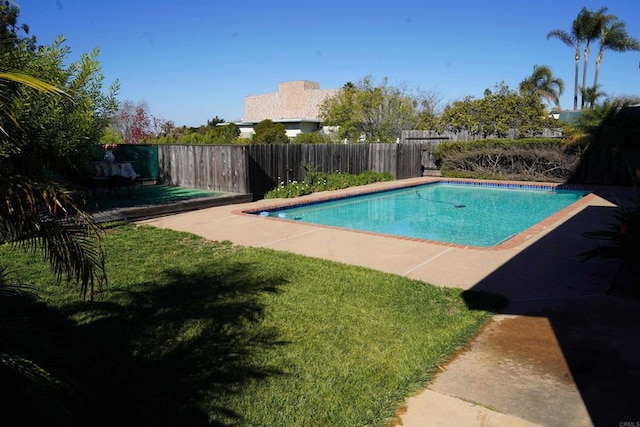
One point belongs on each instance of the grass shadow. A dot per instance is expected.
(161, 354)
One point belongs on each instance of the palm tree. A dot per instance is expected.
(574, 40)
(542, 84)
(37, 216)
(591, 94)
(613, 36)
(8, 91)
(592, 22)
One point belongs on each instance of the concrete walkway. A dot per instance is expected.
(564, 351)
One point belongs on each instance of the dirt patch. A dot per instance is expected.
(529, 341)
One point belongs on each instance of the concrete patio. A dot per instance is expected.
(563, 352)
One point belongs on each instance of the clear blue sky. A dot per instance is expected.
(191, 60)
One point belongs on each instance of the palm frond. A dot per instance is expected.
(31, 82)
(563, 36)
(43, 218)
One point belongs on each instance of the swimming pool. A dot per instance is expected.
(458, 213)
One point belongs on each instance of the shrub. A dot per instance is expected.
(319, 181)
(267, 132)
(528, 159)
(286, 191)
(312, 138)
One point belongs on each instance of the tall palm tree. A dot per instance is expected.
(613, 36)
(592, 23)
(574, 40)
(541, 83)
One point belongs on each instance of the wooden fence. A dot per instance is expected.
(428, 140)
(257, 169)
(270, 165)
(207, 167)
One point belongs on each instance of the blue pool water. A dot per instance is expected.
(454, 213)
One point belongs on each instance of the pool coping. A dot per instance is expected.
(142, 212)
(508, 243)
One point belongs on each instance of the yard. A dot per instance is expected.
(193, 332)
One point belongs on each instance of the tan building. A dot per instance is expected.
(296, 105)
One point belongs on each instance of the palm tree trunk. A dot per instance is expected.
(575, 87)
(584, 73)
(598, 61)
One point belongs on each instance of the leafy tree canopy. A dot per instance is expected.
(375, 113)
(267, 132)
(51, 134)
(49, 117)
(496, 113)
(13, 34)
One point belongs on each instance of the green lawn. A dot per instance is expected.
(192, 332)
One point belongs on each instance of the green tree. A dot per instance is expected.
(497, 113)
(542, 84)
(215, 121)
(203, 129)
(13, 34)
(613, 36)
(341, 111)
(267, 132)
(35, 214)
(57, 135)
(110, 137)
(226, 134)
(364, 111)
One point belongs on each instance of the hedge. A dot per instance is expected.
(527, 159)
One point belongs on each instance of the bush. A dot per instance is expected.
(528, 159)
(267, 132)
(312, 138)
(319, 181)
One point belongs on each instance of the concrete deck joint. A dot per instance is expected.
(273, 242)
(426, 262)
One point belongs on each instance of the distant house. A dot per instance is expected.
(296, 105)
